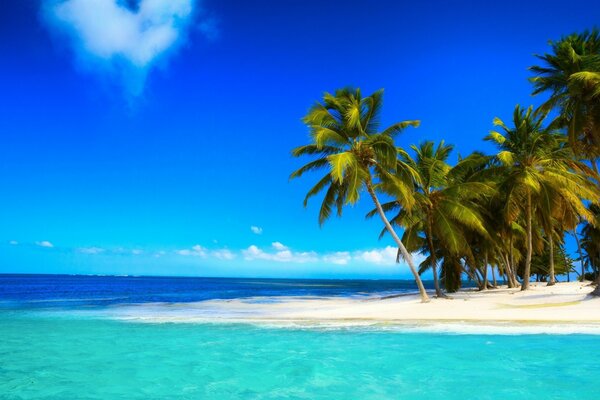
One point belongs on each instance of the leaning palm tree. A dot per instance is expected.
(532, 160)
(347, 143)
(571, 76)
(446, 205)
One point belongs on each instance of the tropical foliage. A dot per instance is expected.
(570, 74)
(447, 208)
(347, 143)
(502, 215)
(538, 175)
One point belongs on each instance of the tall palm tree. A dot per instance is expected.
(445, 206)
(556, 214)
(347, 143)
(590, 243)
(571, 76)
(532, 160)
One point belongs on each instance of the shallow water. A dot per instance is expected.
(60, 358)
(58, 352)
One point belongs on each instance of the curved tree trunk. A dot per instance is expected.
(513, 267)
(494, 283)
(580, 252)
(436, 280)
(527, 273)
(510, 272)
(477, 273)
(405, 253)
(552, 278)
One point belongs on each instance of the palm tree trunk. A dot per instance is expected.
(477, 273)
(436, 280)
(505, 273)
(569, 269)
(405, 253)
(527, 273)
(580, 252)
(494, 277)
(552, 279)
(472, 277)
(513, 267)
(510, 273)
(485, 268)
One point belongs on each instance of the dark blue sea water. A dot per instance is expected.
(97, 291)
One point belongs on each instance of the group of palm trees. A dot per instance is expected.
(508, 212)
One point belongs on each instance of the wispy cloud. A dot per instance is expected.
(13, 242)
(197, 251)
(90, 250)
(280, 255)
(277, 252)
(223, 254)
(111, 39)
(200, 251)
(256, 230)
(338, 257)
(279, 246)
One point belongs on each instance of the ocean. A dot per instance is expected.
(60, 339)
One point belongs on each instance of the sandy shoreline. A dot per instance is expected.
(567, 306)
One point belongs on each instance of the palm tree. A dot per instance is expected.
(571, 75)
(557, 214)
(356, 155)
(445, 206)
(590, 243)
(533, 159)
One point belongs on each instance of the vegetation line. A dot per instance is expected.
(507, 212)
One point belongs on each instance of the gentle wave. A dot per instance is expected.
(454, 327)
(202, 313)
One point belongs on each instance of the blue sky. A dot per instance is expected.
(151, 143)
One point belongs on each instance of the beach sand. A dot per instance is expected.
(562, 305)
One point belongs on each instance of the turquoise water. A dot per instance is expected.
(61, 337)
(51, 355)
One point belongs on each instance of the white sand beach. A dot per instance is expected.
(563, 305)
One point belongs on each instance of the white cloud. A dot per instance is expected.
(255, 253)
(279, 246)
(338, 257)
(197, 251)
(276, 252)
(256, 229)
(281, 253)
(91, 250)
(386, 255)
(13, 242)
(223, 254)
(108, 36)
